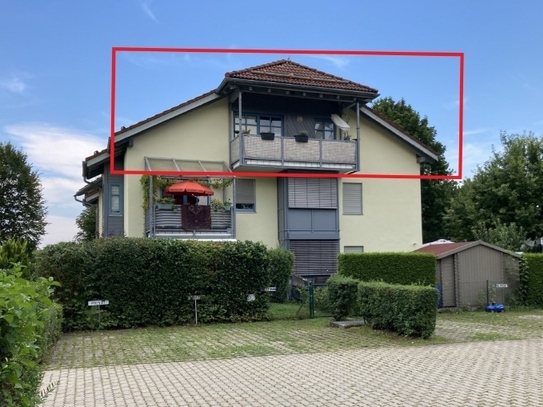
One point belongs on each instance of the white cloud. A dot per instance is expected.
(146, 7)
(475, 153)
(339, 62)
(59, 229)
(56, 153)
(55, 149)
(14, 85)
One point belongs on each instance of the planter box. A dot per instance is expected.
(267, 136)
(301, 138)
(165, 206)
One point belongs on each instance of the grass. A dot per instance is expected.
(289, 331)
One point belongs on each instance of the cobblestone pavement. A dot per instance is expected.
(494, 373)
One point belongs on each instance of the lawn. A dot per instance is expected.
(288, 332)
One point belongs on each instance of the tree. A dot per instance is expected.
(506, 192)
(435, 194)
(22, 206)
(86, 222)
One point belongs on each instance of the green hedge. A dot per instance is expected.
(29, 325)
(151, 281)
(281, 266)
(392, 268)
(341, 295)
(531, 279)
(407, 310)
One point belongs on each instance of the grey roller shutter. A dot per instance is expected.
(352, 199)
(312, 193)
(315, 257)
(245, 191)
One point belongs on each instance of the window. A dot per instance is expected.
(115, 204)
(324, 129)
(312, 193)
(256, 124)
(245, 195)
(353, 249)
(352, 199)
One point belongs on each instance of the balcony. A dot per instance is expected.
(249, 151)
(189, 222)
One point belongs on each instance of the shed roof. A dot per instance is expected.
(441, 250)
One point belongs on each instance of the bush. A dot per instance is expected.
(152, 281)
(531, 279)
(281, 266)
(29, 323)
(321, 299)
(407, 310)
(15, 251)
(392, 268)
(341, 295)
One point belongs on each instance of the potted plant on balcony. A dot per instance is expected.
(302, 137)
(267, 135)
(246, 131)
(165, 203)
(217, 205)
(228, 205)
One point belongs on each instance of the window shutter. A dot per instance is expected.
(315, 257)
(245, 191)
(312, 193)
(352, 199)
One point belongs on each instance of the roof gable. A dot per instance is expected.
(288, 72)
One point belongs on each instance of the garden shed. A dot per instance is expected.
(467, 272)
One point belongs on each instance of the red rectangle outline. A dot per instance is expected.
(459, 55)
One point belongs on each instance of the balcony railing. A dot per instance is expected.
(248, 150)
(183, 222)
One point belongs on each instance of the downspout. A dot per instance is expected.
(358, 136)
(240, 133)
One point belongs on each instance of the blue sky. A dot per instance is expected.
(55, 68)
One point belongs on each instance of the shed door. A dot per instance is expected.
(447, 282)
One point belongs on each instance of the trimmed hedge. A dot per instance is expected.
(341, 295)
(29, 324)
(392, 268)
(151, 281)
(531, 279)
(407, 310)
(281, 266)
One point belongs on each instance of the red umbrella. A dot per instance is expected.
(189, 188)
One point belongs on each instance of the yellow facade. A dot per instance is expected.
(391, 218)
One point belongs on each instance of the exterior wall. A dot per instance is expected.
(200, 134)
(391, 219)
(262, 224)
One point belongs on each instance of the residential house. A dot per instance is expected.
(229, 129)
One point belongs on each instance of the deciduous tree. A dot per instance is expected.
(22, 206)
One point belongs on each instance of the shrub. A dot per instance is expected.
(341, 295)
(29, 323)
(531, 279)
(321, 299)
(152, 281)
(392, 268)
(15, 251)
(281, 266)
(407, 310)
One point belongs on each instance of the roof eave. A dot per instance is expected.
(363, 96)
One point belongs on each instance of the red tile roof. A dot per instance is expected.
(292, 73)
(440, 248)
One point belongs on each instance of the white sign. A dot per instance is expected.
(98, 302)
(500, 285)
(195, 297)
(251, 297)
(270, 289)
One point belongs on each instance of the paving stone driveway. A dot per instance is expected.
(498, 373)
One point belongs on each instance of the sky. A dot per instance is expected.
(55, 69)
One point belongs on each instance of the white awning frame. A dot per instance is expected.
(338, 121)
